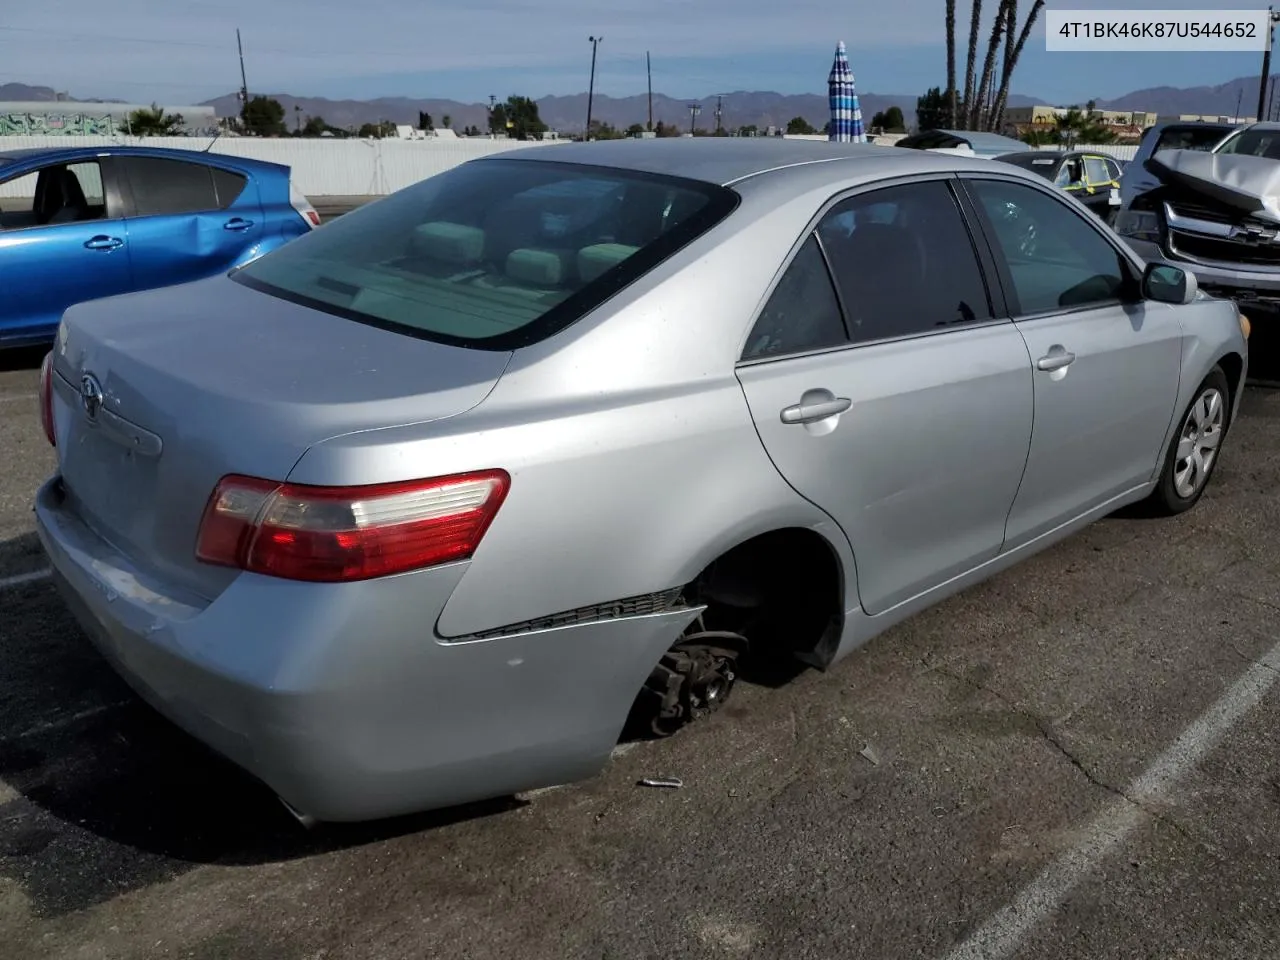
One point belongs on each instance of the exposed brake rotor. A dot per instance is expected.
(693, 679)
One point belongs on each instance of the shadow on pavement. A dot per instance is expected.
(23, 358)
(106, 796)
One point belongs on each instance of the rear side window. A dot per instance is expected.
(492, 253)
(163, 186)
(1254, 143)
(802, 314)
(904, 262)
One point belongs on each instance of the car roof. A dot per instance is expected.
(117, 150)
(727, 160)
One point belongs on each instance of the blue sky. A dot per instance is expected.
(181, 52)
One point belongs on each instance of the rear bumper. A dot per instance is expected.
(341, 698)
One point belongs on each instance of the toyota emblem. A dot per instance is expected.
(90, 396)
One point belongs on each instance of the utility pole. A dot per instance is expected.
(1266, 64)
(648, 69)
(244, 85)
(694, 110)
(492, 101)
(591, 87)
(1240, 99)
(719, 110)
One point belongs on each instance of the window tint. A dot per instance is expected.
(170, 186)
(904, 262)
(802, 313)
(1113, 169)
(1096, 171)
(497, 253)
(63, 193)
(1055, 258)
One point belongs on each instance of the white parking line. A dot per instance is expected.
(29, 397)
(1004, 932)
(24, 578)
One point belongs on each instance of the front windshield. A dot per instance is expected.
(1189, 138)
(1253, 143)
(492, 253)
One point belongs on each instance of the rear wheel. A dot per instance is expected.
(1193, 451)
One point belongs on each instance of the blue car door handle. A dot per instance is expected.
(237, 223)
(103, 242)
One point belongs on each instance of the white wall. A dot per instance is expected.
(321, 167)
(1119, 151)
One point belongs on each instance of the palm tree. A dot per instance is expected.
(951, 61)
(975, 20)
(1011, 59)
(978, 118)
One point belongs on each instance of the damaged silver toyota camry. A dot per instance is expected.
(426, 506)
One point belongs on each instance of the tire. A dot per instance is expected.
(1201, 430)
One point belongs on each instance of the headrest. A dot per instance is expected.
(595, 260)
(543, 268)
(450, 242)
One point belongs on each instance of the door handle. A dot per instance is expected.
(817, 410)
(237, 224)
(1055, 361)
(103, 242)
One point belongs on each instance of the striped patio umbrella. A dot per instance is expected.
(846, 115)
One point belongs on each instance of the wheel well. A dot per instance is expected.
(1232, 365)
(783, 591)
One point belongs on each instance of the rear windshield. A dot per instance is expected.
(495, 254)
(1189, 138)
(1045, 165)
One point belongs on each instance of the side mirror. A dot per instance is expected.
(1166, 283)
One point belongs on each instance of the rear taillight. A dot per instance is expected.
(298, 200)
(46, 399)
(332, 534)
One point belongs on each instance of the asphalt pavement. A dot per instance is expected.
(1076, 759)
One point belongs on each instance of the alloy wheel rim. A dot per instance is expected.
(1198, 443)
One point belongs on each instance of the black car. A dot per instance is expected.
(1092, 178)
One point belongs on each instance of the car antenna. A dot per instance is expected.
(213, 141)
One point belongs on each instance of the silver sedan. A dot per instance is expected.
(428, 505)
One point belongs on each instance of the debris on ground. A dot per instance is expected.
(671, 783)
(869, 752)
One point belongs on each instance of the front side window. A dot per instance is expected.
(802, 314)
(1055, 259)
(60, 193)
(492, 253)
(904, 262)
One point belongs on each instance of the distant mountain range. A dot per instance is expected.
(741, 108)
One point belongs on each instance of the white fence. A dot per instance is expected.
(343, 168)
(1119, 151)
(321, 167)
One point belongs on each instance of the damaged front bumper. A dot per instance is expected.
(1217, 216)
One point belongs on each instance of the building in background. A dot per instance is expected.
(1125, 124)
(44, 118)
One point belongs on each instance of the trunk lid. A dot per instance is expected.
(210, 378)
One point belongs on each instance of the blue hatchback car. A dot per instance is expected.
(82, 223)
